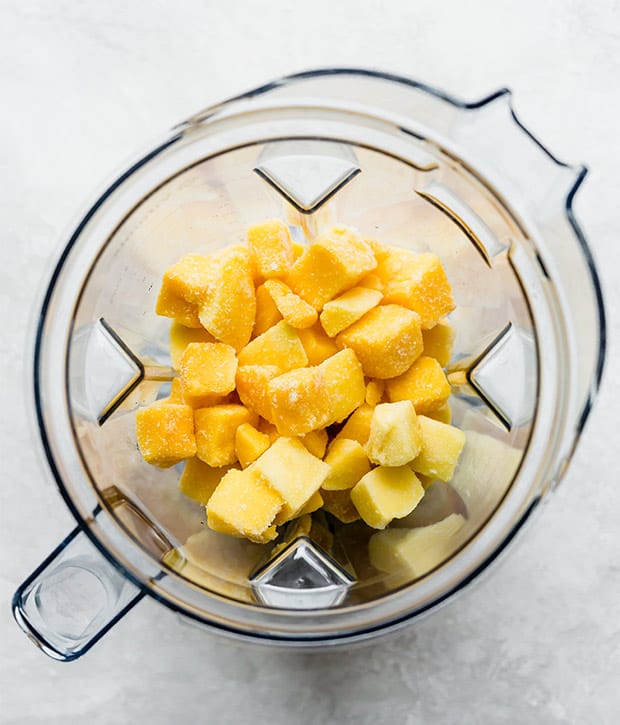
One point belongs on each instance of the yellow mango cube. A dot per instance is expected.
(250, 443)
(417, 281)
(438, 342)
(170, 304)
(357, 427)
(339, 504)
(279, 345)
(344, 384)
(244, 505)
(271, 248)
(267, 314)
(198, 481)
(291, 470)
(229, 310)
(317, 344)
(333, 263)
(299, 401)
(176, 392)
(424, 384)
(215, 432)
(180, 338)
(343, 311)
(395, 434)
(387, 340)
(297, 312)
(191, 277)
(414, 552)
(316, 442)
(207, 370)
(386, 493)
(348, 462)
(165, 433)
(374, 392)
(253, 387)
(441, 447)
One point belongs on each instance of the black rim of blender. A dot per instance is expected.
(495, 554)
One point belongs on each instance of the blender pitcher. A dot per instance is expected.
(403, 163)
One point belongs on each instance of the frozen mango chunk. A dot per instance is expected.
(414, 552)
(291, 470)
(170, 304)
(343, 311)
(271, 248)
(339, 504)
(253, 387)
(387, 340)
(438, 342)
(417, 281)
(299, 401)
(316, 442)
(374, 392)
(317, 344)
(267, 314)
(395, 434)
(165, 433)
(176, 392)
(199, 481)
(441, 447)
(229, 310)
(279, 345)
(250, 443)
(386, 493)
(348, 462)
(244, 505)
(424, 384)
(215, 432)
(207, 370)
(191, 277)
(297, 312)
(344, 384)
(357, 427)
(180, 338)
(333, 263)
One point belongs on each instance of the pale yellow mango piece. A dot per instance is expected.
(180, 338)
(357, 427)
(250, 443)
(386, 340)
(424, 384)
(279, 345)
(343, 311)
(339, 504)
(333, 263)
(348, 462)
(267, 314)
(291, 470)
(386, 493)
(417, 281)
(438, 342)
(215, 432)
(372, 281)
(170, 304)
(297, 312)
(344, 384)
(207, 370)
(198, 481)
(192, 276)
(165, 433)
(244, 505)
(374, 392)
(229, 310)
(317, 344)
(395, 434)
(441, 447)
(316, 442)
(414, 552)
(271, 248)
(299, 401)
(252, 387)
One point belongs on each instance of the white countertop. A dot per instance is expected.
(85, 85)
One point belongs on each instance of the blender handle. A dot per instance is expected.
(72, 599)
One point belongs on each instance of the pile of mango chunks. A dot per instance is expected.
(310, 376)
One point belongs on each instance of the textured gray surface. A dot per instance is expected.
(83, 86)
